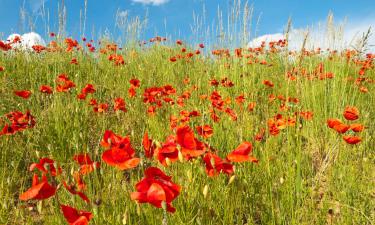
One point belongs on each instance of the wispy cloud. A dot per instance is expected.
(152, 2)
(35, 5)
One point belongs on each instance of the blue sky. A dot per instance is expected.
(178, 14)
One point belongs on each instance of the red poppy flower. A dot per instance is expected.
(119, 105)
(74, 61)
(357, 127)
(19, 122)
(88, 89)
(205, 131)
(167, 150)
(351, 113)
(135, 83)
(307, 115)
(86, 164)
(240, 99)
(148, 146)
(333, 122)
(190, 146)
(214, 116)
(241, 153)
(8, 130)
(46, 165)
(45, 89)
(76, 217)
(215, 165)
(132, 92)
(251, 106)
(81, 185)
(23, 94)
(39, 189)
(231, 113)
(260, 135)
(5, 46)
(117, 59)
(103, 107)
(93, 102)
(156, 188)
(120, 153)
(63, 83)
(352, 139)
(268, 83)
(72, 190)
(341, 128)
(214, 82)
(81, 96)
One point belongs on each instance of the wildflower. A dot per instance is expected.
(45, 89)
(74, 216)
(205, 131)
(241, 153)
(352, 139)
(351, 113)
(119, 153)
(155, 188)
(23, 94)
(39, 190)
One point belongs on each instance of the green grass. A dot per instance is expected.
(293, 183)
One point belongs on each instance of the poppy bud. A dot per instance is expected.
(98, 201)
(212, 160)
(39, 207)
(168, 161)
(189, 175)
(125, 217)
(231, 179)
(180, 156)
(205, 191)
(138, 209)
(164, 205)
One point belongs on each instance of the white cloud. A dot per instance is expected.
(28, 40)
(152, 2)
(319, 36)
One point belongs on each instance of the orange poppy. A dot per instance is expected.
(86, 164)
(205, 131)
(156, 187)
(76, 217)
(148, 146)
(45, 89)
(39, 189)
(120, 153)
(215, 165)
(167, 150)
(190, 146)
(357, 127)
(333, 122)
(241, 153)
(351, 113)
(352, 139)
(23, 94)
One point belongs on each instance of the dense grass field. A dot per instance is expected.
(293, 162)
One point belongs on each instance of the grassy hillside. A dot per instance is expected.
(279, 102)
